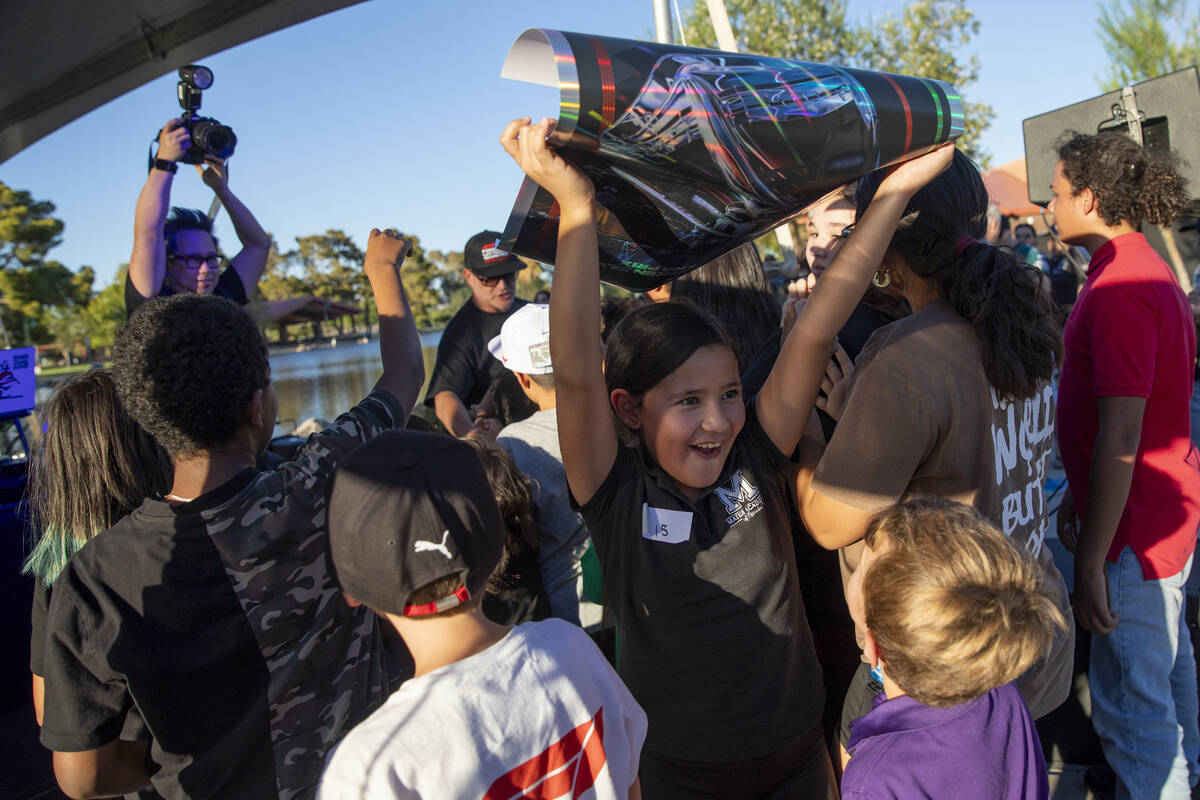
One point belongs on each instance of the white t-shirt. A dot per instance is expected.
(540, 714)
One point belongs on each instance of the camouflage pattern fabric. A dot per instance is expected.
(325, 658)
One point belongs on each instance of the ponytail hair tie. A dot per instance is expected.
(963, 243)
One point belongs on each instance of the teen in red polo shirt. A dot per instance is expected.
(1124, 432)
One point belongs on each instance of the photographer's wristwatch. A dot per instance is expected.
(166, 166)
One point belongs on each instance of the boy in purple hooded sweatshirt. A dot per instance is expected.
(954, 613)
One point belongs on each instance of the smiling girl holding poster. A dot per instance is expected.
(690, 524)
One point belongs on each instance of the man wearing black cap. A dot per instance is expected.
(465, 369)
(492, 710)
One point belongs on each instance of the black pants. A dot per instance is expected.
(838, 652)
(859, 699)
(799, 771)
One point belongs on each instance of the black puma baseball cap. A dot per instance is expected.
(407, 509)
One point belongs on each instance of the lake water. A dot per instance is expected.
(318, 383)
(325, 382)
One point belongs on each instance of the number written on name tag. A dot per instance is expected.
(666, 525)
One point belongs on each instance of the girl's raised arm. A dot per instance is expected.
(786, 399)
(585, 431)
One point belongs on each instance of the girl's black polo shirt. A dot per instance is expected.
(713, 640)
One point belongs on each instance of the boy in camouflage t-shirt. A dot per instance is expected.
(213, 610)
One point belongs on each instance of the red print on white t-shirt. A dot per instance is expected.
(567, 768)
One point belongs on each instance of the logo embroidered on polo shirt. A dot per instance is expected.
(741, 499)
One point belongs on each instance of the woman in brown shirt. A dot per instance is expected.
(953, 401)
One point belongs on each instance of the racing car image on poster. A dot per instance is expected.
(696, 152)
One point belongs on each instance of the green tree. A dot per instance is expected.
(810, 30)
(68, 328)
(280, 279)
(450, 281)
(28, 229)
(430, 279)
(332, 265)
(35, 294)
(922, 40)
(105, 312)
(1147, 38)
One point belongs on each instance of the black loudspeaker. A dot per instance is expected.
(1168, 111)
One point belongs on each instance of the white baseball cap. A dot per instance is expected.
(524, 341)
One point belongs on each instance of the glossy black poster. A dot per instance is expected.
(696, 152)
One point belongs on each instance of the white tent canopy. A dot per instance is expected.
(59, 59)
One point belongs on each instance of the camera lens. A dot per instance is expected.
(220, 141)
(213, 137)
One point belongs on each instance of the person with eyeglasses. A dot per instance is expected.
(465, 368)
(178, 253)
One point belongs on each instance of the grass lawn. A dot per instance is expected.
(62, 372)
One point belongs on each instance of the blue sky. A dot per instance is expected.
(387, 114)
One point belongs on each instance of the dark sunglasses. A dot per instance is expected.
(509, 277)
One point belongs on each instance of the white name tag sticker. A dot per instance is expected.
(666, 525)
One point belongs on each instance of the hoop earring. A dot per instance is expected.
(887, 279)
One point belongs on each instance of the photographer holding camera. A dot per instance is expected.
(179, 254)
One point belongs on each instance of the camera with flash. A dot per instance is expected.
(209, 137)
